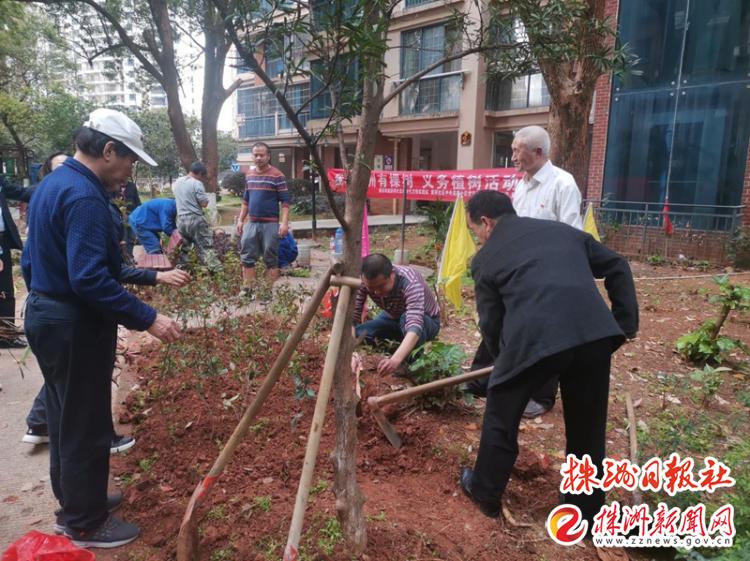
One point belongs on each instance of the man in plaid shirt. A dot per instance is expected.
(410, 311)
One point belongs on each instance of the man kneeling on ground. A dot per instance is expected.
(410, 313)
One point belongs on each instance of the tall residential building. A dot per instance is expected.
(679, 127)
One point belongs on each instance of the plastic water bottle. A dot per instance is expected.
(339, 241)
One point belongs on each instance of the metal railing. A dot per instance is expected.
(641, 229)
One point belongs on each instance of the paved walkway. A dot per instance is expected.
(26, 499)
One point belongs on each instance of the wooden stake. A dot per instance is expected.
(187, 539)
(637, 496)
(340, 322)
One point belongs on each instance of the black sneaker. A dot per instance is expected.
(113, 532)
(114, 501)
(121, 443)
(36, 435)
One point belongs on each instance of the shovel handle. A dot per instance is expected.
(378, 401)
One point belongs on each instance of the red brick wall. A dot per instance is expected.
(601, 122)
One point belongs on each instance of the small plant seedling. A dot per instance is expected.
(330, 535)
(218, 512)
(263, 503)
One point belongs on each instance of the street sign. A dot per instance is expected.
(235, 167)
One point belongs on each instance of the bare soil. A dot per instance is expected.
(181, 416)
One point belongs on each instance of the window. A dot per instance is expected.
(345, 80)
(331, 13)
(516, 93)
(261, 115)
(423, 47)
(435, 92)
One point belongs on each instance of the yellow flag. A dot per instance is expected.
(589, 223)
(459, 247)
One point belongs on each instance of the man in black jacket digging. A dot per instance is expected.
(541, 314)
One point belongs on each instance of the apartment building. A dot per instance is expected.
(677, 129)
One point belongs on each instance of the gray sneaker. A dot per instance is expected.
(114, 501)
(113, 532)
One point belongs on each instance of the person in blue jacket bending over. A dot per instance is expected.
(152, 217)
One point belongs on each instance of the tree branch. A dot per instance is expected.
(250, 60)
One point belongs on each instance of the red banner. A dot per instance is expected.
(432, 185)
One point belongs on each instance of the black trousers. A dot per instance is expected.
(584, 386)
(7, 293)
(545, 395)
(75, 348)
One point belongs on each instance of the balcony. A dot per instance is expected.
(439, 93)
(276, 124)
(413, 3)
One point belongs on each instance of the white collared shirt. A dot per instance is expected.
(552, 194)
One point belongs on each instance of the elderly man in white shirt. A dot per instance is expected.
(545, 192)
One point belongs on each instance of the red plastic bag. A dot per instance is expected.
(36, 546)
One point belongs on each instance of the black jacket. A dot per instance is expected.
(536, 295)
(11, 191)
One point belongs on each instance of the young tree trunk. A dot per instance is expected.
(349, 497)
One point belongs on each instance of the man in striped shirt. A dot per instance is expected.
(410, 311)
(265, 191)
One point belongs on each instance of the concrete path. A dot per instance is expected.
(26, 499)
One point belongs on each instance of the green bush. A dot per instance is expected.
(433, 361)
(705, 344)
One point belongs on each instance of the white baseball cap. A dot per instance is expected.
(120, 127)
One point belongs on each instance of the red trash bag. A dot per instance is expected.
(36, 546)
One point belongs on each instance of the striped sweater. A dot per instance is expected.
(410, 296)
(263, 193)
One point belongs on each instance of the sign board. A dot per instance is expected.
(235, 167)
(431, 185)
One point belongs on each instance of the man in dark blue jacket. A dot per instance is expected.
(541, 314)
(72, 267)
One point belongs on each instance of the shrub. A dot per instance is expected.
(234, 182)
(435, 360)
(705, 344)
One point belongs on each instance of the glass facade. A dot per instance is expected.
(679, 126)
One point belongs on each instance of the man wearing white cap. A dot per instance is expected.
(71, 264)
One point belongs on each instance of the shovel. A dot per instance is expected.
(340, 322)
(377, 401)
(187, 539)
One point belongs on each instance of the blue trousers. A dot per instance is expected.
(149, 239)
(75, 348)
(384, 327)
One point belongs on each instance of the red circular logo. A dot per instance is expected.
(566, 525)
